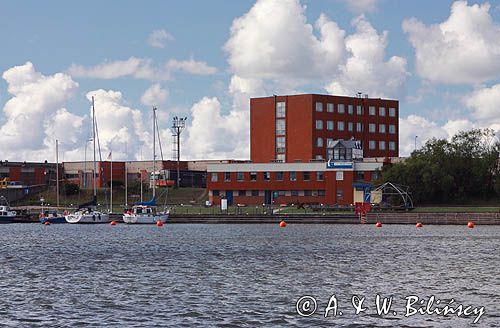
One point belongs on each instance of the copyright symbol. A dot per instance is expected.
(306, 306)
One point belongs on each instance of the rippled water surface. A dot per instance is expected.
(241, 275)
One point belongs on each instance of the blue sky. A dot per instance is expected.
(211, 56)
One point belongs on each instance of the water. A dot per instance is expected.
(241, 275)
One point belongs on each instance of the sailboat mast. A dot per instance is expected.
(93, 132)
(154, 151)
(57, 172)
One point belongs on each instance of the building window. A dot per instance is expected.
(349, 126)
(375, 175)
(350, 109)
(319, 142)
(340, 126)
(392, 112)
(329, 125)
(227, 176)
(306, 176)
(293, 176)
(339, 175)
(319, 125)
(295, 193)
(329, 142)
(255, 193)
(340, 194)
(319, 107)
(280, 127)
(371, 110)
(392, 129)
(253, 176)
(267, 176)
(240, 176)
(372, 128)
(321, 193)
(392, 145)
(280, 109)
(280, 158)
(329, 153)
(371, 144)
(280, 145)
(307, 193)
(360, 175)
(340, 108)
(329, 108)
(381, 128)
(279, 176)
(381, 111)
(359, 110)
(320, 176)
(381, 145)
(359, 127)
(242, 193)
(213, 177)
(215, 193)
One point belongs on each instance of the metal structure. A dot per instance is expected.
(178, 125)
(391, 192)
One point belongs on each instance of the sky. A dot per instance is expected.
(204, 60)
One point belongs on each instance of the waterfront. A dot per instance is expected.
(240, 275)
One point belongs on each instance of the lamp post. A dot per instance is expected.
(178, 125)
(416, 142)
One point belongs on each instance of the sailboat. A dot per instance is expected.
(87, 213)
(145, 212)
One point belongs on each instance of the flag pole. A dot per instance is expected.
(111, 183)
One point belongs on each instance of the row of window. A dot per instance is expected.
(279, 193)
(278, 176)
(341, 109)
(372, 127)
(371, 145)
(280, 130)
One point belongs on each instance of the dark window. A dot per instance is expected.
(240, 176)
(340, 194)
(375, 175)
(227, 176)
(295, 192)
(267, 176)
(293, 176)
(242, 193)
(281, 193)
(360, 175)
(321, 193)
(306, 176)
(214, 177)
(307, 193)
(215, 193)
(255, 193)
(320, 176)
(253, 176)
(279, 176)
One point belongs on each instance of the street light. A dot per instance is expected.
(178, 124)
(416, 142)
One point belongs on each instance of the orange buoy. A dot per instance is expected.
(159, 223)
(470, 224)
(378, 224)
(113, 222)
(419, 225)
(46, 223)
(282, 224)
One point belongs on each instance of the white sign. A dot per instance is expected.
(223, 204)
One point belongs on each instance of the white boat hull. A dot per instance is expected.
(144, 218)
(92, 217)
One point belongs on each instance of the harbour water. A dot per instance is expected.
(242, 275)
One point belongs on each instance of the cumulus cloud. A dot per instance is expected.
(424, 129)
(159, 38)
(484, 103)
(463, 49)
(154, 95)
(362, 6)
(140, 68)
(35, 112)
(366, 69)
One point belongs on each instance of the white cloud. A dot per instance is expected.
(33, 116)
(484, 103)
(191, 66)
(463, 49)
(154, 95)
(158, 38)
(424, 129)
(366, 69)
(362, 6)
(140, 68)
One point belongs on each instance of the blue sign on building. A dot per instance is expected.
(339, 165)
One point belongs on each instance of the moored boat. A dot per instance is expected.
(52, 217)
(6, 214)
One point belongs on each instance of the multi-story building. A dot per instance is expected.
(299, 128)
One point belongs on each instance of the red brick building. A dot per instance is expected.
(302, 127)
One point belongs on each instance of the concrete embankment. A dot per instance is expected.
(326, 218)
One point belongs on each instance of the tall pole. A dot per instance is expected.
(93, 133)
(142, 159)
(416, 142)
(57, 173)
(111, 182)
(154, 152)
(178, 125)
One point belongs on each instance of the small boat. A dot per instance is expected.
(52, 217)
(6, 214)
(146, 212)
